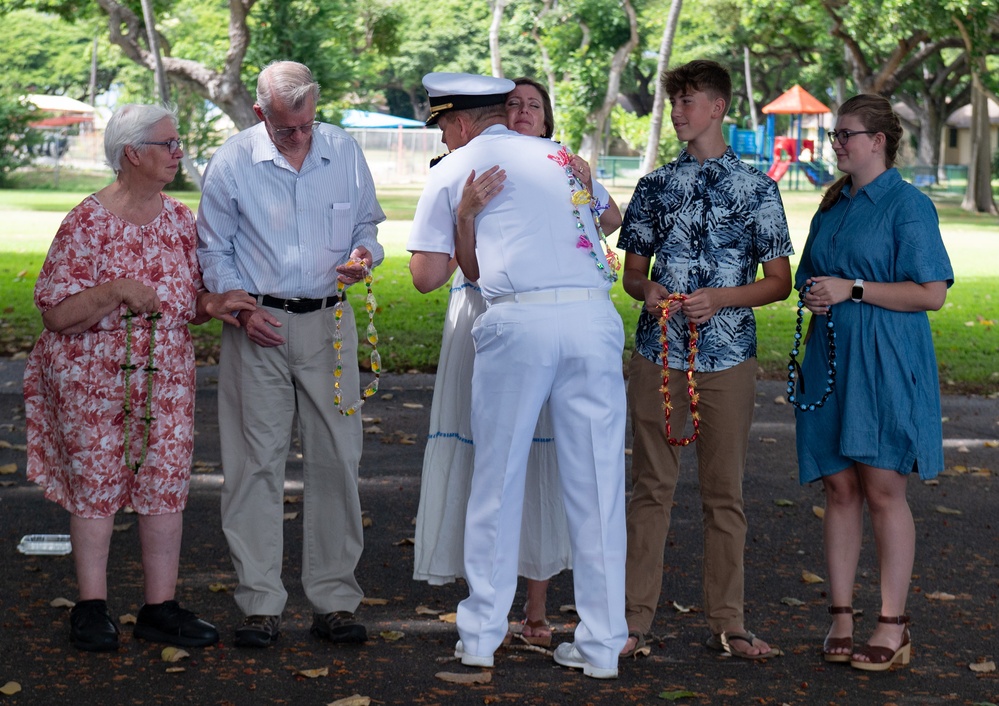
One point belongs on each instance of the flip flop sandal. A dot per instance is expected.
(722, 642)
(535, 640)
(640, 649)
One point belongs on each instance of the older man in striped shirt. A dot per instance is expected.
(288, 209)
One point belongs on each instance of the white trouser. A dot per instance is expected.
(570, 354)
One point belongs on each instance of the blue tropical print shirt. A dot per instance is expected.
(707, 225)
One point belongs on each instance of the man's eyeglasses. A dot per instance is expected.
(844, 135)
(283, 132)
(171, 145)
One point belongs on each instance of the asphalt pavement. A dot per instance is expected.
(954, 602)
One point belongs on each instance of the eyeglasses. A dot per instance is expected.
(844, 135)
(171, 145)
(283, 132)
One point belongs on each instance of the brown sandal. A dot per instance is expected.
(838, 643)
(882, 658)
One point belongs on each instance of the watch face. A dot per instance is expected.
(858, 293)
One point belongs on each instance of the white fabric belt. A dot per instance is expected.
(552, 296)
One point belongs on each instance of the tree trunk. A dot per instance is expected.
(593, 141)
(225, 89)
(494, 37)
(978, 196)
(659, 102)
(161, 81)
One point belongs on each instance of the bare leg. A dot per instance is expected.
(160, 537)
(535, 610)
(91, 539)
(895, 537)
(842, 532)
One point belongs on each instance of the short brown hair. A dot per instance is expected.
(700, 75)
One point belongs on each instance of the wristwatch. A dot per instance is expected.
(857, 294)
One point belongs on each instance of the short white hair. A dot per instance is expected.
(131, 125)
(288, 83)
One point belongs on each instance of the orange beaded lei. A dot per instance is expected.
(695, 416)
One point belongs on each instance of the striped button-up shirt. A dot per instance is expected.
(269, 229)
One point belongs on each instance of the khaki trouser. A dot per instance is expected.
(261, 390)
(726, 406)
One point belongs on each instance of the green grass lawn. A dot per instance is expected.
(409, 324)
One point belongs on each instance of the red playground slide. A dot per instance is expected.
(778, 169)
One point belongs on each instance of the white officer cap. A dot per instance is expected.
(450, 91)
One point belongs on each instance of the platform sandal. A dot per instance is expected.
(838, 643)
(882, 658)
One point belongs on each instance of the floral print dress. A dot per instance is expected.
(74, 383)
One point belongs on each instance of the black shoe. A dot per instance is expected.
(91, 628)
(258, 631)
(338, 627)
(168, 622)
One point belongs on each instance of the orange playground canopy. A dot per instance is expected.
(796, 101)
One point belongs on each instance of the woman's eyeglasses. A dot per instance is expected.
(844, 135)
(171, 145)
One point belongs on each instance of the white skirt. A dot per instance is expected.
(449, 460)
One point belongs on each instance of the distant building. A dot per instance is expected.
(955, 143)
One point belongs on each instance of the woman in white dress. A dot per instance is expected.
(448, 461)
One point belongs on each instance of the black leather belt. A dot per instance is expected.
(296, 305)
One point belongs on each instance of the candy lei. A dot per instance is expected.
(695, 416)
(376, 359)
(580, 197)
(794, 370)
(129, 367)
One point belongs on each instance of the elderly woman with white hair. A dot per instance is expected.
(109, 387)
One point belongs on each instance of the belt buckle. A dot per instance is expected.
(293, 302)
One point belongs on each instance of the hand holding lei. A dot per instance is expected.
(372, 334)
(695, 415)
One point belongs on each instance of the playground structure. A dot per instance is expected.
(793, 153)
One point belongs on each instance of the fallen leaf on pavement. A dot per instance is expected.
(10, 688)
(122, 526)
(371, 420)
(7, 469)
(292, 499)
(313, 673)
(217, 587)
(127, 619)
(374, 601)
(992, 444)
(404, 542)
(947, 510)
(940, 596)
(62, 603)
(175, 670)
(448, 618)
(783, 502)
(809, 577)
(366, 521)
(355, 700)
(423, 610)
(787, 600)
(567, 608)
(173, 654)
(290, 515)
(677, 695)
(819, 512)
(983, 667)
(780, 400)
(391, 635)
(767, 440)
(679, 608)
(412, 405)
(454, 678)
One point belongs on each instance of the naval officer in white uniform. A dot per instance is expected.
(550, 332)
